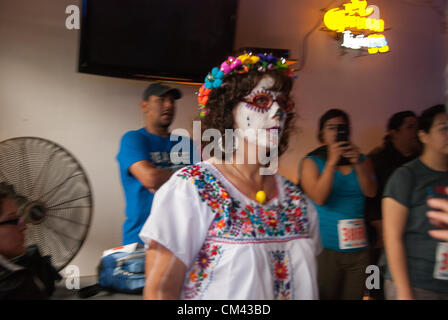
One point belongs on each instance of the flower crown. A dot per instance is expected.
(242, 64)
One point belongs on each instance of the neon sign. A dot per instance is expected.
(374, 43)
(358, 17)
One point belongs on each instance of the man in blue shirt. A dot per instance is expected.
(145, 157)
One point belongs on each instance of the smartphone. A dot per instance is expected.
(342, 132)
(342, 135)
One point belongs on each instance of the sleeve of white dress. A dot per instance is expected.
(314, 226)
(179, 220)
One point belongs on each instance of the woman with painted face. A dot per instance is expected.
(337, 178)
(417, 264)
(229, 227)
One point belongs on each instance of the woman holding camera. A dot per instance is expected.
(337, 178)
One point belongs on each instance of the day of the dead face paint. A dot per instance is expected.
(262, 114)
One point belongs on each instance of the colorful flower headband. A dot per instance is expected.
(240, 65)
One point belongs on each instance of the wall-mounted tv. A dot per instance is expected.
(171, 40)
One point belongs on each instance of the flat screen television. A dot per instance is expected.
(171, 40)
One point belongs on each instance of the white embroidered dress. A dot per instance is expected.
(233, 247)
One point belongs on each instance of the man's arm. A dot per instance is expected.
(150, 177)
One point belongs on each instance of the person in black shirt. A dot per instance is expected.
(401, 145)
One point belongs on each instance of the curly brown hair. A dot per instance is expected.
(235, 87)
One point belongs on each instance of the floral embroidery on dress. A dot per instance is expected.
(282, 275)
(282, 220)
(202, 270)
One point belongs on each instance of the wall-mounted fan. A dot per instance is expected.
(55, 197)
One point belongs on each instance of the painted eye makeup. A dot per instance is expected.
(263, 100)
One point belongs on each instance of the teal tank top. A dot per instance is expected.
(346, 201)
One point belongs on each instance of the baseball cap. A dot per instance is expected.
(159, 89)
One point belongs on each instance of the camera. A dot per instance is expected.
(342, 135)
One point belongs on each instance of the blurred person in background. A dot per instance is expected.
(400, 146)
(144, 157)
(416, 262)
(338, 178)
(24, 273)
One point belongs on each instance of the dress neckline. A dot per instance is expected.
(345, 175)
(238, 191)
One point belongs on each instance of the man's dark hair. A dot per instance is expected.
(330, 114)
(397, 119)
(426, 119)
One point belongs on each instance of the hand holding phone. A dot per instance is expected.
(353, 154)
(342, 136)
(335, 151)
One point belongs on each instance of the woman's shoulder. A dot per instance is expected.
(294, 196)
(191, 182)
(288, 187)
(319, 162)
(403, 178)
(200, 177)
(407, 170)
(198, 171)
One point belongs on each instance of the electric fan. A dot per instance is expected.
(55, 198)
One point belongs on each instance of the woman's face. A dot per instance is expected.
(407, 133)
(11, 235)
(261, 115)
(437, 137)
(329, 130)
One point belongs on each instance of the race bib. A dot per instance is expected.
(352, 234)
(441, 267)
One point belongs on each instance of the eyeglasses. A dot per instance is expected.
(13, 222)
(264, 100)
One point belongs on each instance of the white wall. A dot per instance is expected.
(371, 88)
(42, 94)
